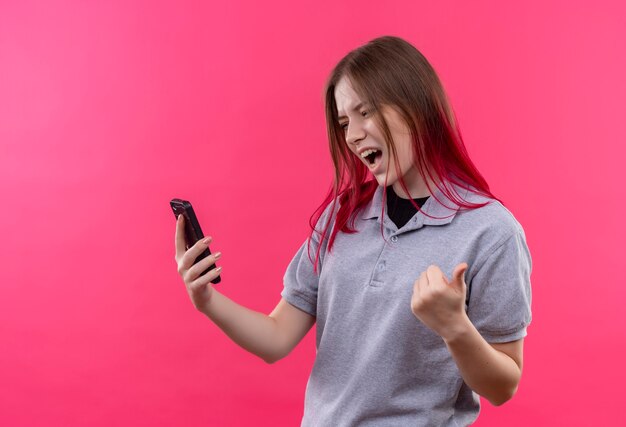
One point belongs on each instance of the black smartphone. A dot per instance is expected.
(193, 232)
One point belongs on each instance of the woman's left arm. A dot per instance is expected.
(491, 370)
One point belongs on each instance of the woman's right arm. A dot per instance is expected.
(269, 337)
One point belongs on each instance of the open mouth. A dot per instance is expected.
(374, 159)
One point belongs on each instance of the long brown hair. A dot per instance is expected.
(390, 71)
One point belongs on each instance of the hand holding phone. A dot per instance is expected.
(196, 265)
(192, 234)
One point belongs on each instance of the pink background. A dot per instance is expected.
(110, 109)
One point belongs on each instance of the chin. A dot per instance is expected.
(381, 180)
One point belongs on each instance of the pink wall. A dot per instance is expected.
(110, 109)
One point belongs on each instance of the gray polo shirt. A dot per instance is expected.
(376, 363)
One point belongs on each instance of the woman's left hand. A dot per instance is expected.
(439, 303)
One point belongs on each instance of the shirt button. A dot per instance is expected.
(394, 239)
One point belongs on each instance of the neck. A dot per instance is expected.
(416, 191)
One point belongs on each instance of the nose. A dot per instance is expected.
(355, 133)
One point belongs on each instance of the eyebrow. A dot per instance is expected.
(356, 108)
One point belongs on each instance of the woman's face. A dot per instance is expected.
(361, 133)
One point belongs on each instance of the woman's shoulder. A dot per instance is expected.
(493, 218)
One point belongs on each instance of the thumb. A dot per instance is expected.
(458, 277)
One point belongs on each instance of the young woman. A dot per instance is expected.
(399, 342)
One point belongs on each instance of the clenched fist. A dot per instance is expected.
(439, 303)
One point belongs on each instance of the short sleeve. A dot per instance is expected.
(300, 280)
(500, 294)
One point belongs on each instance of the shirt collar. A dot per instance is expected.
(437, 206)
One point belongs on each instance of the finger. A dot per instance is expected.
(420, 289)
(458, 276)
(197, 269)
(189, 258)
(416, 298)
(206, 279)
(434, 274)
(179, 239)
